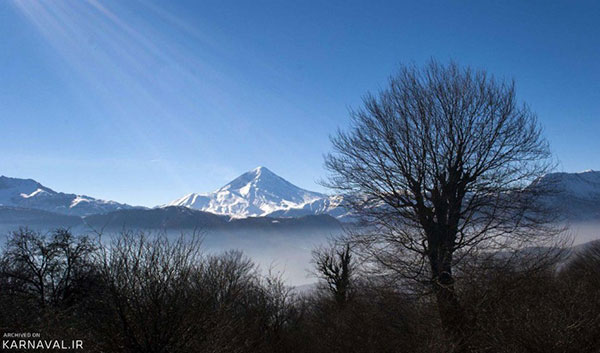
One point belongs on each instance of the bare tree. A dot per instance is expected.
(47, 267)
(335, 266)
(438, 165)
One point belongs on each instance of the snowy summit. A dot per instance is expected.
(258, 192)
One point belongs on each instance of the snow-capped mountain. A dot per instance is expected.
(583, 185)
(28, 193)
(576, 195)
(260, 192)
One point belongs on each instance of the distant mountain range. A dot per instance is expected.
(260, 192)
(29, 194)
(258, 198)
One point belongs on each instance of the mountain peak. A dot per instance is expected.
(261, 169)
(259, 173)
(254, 193)
(13, 189)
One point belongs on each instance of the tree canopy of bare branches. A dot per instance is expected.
(46, 267)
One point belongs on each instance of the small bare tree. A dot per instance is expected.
(438, 165)
(334, 265)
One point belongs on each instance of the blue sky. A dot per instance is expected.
(144, 101)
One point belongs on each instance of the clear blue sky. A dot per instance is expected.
(144, 101)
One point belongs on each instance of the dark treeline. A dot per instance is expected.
(144, 293)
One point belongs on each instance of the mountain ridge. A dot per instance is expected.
(171, 218)
(262, 193)
(30, 194)
(575, 195)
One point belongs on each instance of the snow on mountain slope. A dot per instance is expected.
(28, 193)
(575, 195)
(583, 185)
(329, 205)
(258, 192)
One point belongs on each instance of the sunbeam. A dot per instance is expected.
(139, 76)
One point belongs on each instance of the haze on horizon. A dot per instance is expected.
(144, 101)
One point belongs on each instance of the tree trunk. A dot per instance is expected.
(452, 314)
